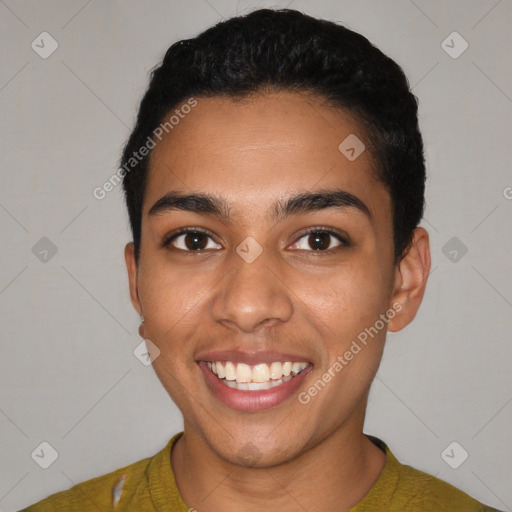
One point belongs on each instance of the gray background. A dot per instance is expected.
(68, 375)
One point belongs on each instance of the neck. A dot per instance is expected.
(335, 474)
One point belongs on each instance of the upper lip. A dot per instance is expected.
(250, 358)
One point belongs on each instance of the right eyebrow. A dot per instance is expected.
(201, 203)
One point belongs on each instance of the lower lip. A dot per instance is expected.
(252, 400)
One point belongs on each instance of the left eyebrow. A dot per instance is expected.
(301, 203)
(309, 202)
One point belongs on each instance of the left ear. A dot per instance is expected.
(411, 275)
(133, 272)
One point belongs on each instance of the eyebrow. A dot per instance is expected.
(304, 202)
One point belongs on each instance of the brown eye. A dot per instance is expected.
(320, 240)
(191, 240)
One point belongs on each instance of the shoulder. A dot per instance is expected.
(94, 494)
(408, 488)
(422, 491)
(104, 492)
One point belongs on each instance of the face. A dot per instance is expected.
(276, 287)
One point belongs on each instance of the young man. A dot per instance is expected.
(275, 182)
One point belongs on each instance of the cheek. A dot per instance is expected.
(346, 301)
(346, 311)
(175, 304)
(169, 292)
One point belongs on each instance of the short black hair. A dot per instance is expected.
(286, 50)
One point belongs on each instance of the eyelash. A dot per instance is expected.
(319, 229)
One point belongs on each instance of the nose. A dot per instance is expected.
(252, 296)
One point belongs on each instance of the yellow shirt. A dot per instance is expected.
(149, 485)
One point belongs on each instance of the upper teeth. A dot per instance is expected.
(262, 372)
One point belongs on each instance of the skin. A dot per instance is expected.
(291, 299)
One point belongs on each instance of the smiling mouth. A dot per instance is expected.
(244, 377)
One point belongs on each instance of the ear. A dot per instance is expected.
(131, 267)
(411, 275)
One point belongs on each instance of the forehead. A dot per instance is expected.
(262, 148)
